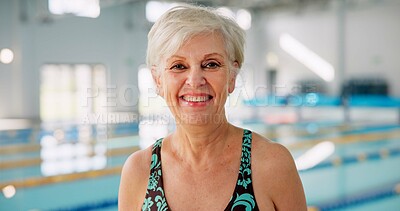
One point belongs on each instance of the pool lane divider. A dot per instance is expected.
(31, 182)
(305, 135)
(345, 131)
(339, 129)
(40, 181)
(339, 161)
(92, 206)
(19, 148)
(32, 147)
(392, 190)
(347, 202)
(352, 138)
(352, 159)
(346, 139)
(37, 161)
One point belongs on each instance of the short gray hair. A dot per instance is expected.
(181, 23)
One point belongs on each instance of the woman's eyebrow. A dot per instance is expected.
(176, 57)
(184, 58)
(213, 54)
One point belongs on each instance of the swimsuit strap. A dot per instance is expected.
(155, 198)
(243, 196)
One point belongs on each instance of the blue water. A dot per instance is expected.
(322, 185)
(63, 195)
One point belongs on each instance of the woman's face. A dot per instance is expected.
(196, 80)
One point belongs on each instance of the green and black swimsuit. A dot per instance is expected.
(242, 198)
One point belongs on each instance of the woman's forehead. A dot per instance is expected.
(201, 45)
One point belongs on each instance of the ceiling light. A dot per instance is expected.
(154, 9)
(307, 57)
(225, 11)
(6, 56)
(83, 8)
(315, 155)
(243, 18)
(272, 60)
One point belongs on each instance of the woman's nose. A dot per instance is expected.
(195, 77)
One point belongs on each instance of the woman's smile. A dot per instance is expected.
(196, 100)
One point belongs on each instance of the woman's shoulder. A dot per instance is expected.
(267, 150)
(275, 175)
(134, 177)
(138, 160)
(271, 158)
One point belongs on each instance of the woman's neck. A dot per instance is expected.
(200, 146)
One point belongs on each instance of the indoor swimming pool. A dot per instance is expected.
(342, 167)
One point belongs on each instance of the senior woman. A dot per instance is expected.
(207, 163)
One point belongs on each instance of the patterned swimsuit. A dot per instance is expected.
(242, 198)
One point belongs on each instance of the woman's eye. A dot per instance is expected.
(178, 67)
(212, 65)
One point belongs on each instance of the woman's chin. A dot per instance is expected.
(199, 119)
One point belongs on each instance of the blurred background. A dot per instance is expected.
(76, 99)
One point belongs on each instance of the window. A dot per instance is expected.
(68, 93)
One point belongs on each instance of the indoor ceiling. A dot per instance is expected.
(249, 4)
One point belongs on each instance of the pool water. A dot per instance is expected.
(361, 173)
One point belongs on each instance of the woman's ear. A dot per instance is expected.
(157, 79)
(232, 78)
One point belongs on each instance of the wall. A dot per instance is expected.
(373, 42)
(116, 39)
(359, 38)
(316, 30)
(10, 82)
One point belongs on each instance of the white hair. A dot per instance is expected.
(181, 23)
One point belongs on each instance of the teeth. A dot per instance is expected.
(196, 98)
